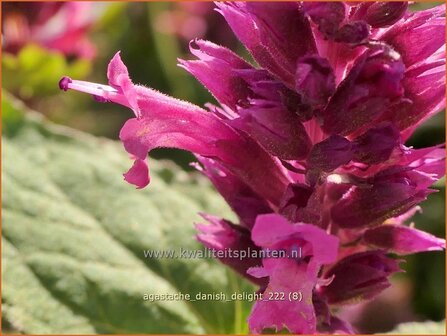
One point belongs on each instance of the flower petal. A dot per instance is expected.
(363, 206)
(284, 29)
(275, 34)
(376, 144)
(296, 204)
(330, 153)
(370, 88)
(419, 35)
(119, 79)
(315, 80)
(138, 174)
(278, 130)
(271, 229)
(402, 239)
(216, 70)
(424, 86)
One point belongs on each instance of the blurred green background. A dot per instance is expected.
(151, 37)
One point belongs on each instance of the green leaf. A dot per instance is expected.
(35, 70)
(74, 235)
(420, 328)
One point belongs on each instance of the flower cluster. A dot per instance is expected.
(53, 25)
(307, 147)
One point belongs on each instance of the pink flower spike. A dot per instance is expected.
(308, 147)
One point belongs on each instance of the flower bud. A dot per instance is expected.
(330, 154)
(360, 276)
(315, 80)
(376, 144)
(384, 14)
(402, 239)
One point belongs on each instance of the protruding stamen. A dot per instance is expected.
(100, 92)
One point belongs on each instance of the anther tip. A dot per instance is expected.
(100, 99)
(63, 83)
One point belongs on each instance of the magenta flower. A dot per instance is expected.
(308, 147)
(287, 299)
(188, 20)
(53, 25)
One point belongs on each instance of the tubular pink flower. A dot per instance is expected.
(289, 275)
(162, 121)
